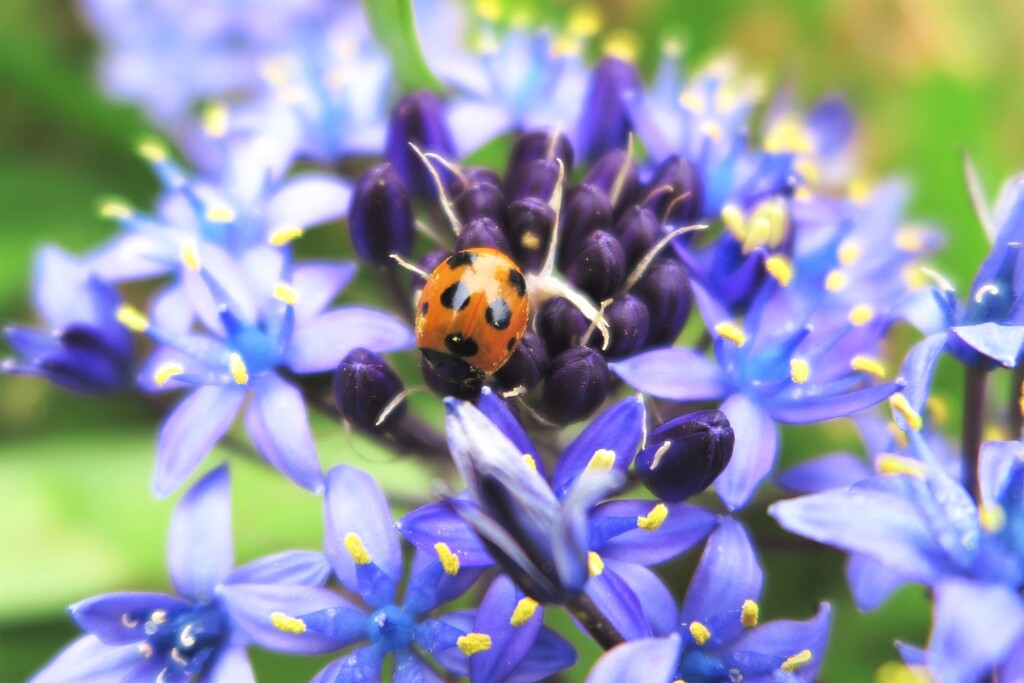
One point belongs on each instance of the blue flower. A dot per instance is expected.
(83, 348)
(718, 637)
(150, 636)
(366, 555)
(555, 539)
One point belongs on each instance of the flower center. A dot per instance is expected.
(391, 628)
(185, 639)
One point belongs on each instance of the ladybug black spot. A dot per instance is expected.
(461, 258)
(515, 278)
(498, 314)
(460, 346)
(456, 297)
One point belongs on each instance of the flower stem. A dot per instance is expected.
(591, 618)
(400, 293)
(974, 410)
(1016, 407)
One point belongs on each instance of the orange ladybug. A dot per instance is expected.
(474, 307)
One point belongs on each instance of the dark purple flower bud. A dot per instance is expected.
(539, 144)
(561, 325)
(675, 192)
(533, 179)
(418, 118)
(638, 231)
(684, 456)
(586, 209)
(665, 288)
(450, 376)
(576, 384)
(527, 365)
(380, 216)
(480, 199)
(482, 174)
(364, 387)
(81, 358)
(615, 173)
(605, 124)
(428, 263)
(599, 266)
(528, 223)
(482, 232)
(629, 324)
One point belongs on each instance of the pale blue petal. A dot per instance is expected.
(614, 598)
(656, 601)
(839, 470)
(308, 200)
(409, 668)
(618, 429)
(434, 523)
(229, 665)
(88, 660)
(918, 367)
(498, 412)
(996, 462)
(200, 547)
(119, 618)
(727, 576)
(1001, 343)
(510, 643)
(676, 374)
(317, 284)
(319, 344)
(685, 527)
(753, 454)
(293, 567)
(808, 409)
(787, 638)
(871, 582)
(279, 427)
(651, 660)
(475, 123)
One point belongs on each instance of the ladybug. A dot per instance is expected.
(473, 309)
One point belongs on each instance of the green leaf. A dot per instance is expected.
(394, 24)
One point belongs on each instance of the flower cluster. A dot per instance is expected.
(630, 296)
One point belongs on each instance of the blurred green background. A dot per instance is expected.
(926, 77)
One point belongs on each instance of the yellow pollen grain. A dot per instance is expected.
(861, 314)
(237, 368)
(749, 614)
(797, 661)
(285, 293)
(779, 268)
(584, 21)
(473, 643)
(115, 209)
(732, 332)
(992, 517)
(909, 239)
(899, 403)
(868, 365)
(700, 632)
(166, 371)
(734, 222)
(602, 461)
(354, 546)
(836, 281)
(132, 318)
(189, 252)
(283, 622)
(653, 520)
(595, 565)
(152, 150)
(850, 252)
(524, 611)
(799, 370)
(530, 462)
(449, 560)
(622, 44)
(283, 235)
(890, 463)
(215, 119)
(220, 213)
(938, 410)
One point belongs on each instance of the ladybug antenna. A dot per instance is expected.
(445, 204)
(410, 267)
(556, 205)
(649, 257)
(620, 178)
(598, 322)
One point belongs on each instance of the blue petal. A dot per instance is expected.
(1013, 666)
(838, 470)
(656, 601)
(88, 660)
(918, 367)
(912, 655)
(190, 431)
(870, 582)
(200, 548)
(437, 523)
(279, 427)
(809, 409)
(509, 644)
(409, 668)
(230, 665)
(996, 462)
(727, 576)
(120, 618)
(550, 654)
(614, 598)
(497, 411)
(294, 567)
(618, 429)
(787, 638)
(308, 200)
(674, 373)
(443, 588)
(753, 454)
(355, 504)
(1001, 343)
(652, 660)
(317, 284)
(319, 344)
(685, 527)
(359, 666)
(974, 626)
(571, 535)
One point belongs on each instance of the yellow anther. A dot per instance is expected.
(899, 403)
(779, 268)
(564, 46)
(798, 660)
(449, 560)
(132, 318)
(653, 519)
(286, 293)
(152, 150)
(732, 332)
(601, 461)
(354, 546)
(808, 168)
(693, 100)
(472, 643)
(595, 565)
(898, 672)
(283, 235)
(890, 463)
(700, 632)
(584, 21)
(220, 213)
(189, 252)
(836, 281)
(992, 517)
(489, 10)
(938, 410)
(166, 371)
(283, 622)
(237, 368)
(215, 119)
(799, 370)
(115, 209)
(622, 44)
(749, 614)
(524, 611)
(909, 239)
(850, 251)
(732, 218)
(530, 462)
(788, 135)
(861, 314)
(759, 233)
(868, 365)
(913, 278)
(859, 190)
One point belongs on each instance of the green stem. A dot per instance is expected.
(1016, 407)
(592, 619)
(394, 24)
